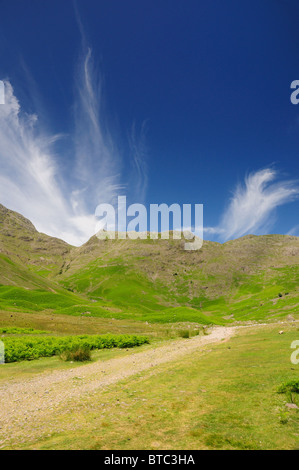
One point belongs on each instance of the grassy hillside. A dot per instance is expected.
(252, 278)
(249, 278)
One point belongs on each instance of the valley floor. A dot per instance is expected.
(214, 391)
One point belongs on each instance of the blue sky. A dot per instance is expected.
(163, 101)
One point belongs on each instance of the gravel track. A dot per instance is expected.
(25, 404)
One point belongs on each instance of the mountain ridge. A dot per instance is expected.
(154, 279)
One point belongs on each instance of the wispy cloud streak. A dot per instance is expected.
(294, 231)
(28, 179)
(252, 207)
(31, 180)
(97, 159)
(138, 151)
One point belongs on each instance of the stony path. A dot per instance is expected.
(25, 402)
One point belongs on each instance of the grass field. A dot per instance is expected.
(223, 397)
(276, 300)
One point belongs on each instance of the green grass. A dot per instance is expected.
(21, 331)
(254, 307)
(57, 324)
(224, 397)
(271, 293)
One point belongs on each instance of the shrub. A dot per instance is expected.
(78, 354)
(194, 333)
(184, 333)
(289, 388)
(30, 347)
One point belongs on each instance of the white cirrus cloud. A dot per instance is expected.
(294, 231)
(31, 176)
(252, 207)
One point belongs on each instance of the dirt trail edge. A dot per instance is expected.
(26, 402)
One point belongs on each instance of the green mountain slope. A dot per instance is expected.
(23, 249)
(252, 278)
